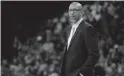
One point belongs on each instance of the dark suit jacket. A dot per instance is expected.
(82, 53)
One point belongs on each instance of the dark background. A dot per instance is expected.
(24, 19)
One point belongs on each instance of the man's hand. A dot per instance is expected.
(81, 74)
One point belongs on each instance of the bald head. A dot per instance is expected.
(75, 11)
(76, 5)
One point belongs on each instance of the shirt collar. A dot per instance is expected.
(77, 24)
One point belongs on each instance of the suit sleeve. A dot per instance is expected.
(91, 42)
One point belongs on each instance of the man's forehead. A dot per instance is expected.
(75, 5)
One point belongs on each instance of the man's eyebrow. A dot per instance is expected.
(76, 8)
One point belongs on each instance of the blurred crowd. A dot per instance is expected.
(41, 55)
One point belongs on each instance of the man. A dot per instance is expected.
(81, 52)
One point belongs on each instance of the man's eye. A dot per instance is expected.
(74, 10)
(71, 10)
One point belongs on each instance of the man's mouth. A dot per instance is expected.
(72, 17)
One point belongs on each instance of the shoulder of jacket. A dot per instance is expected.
(88, 24)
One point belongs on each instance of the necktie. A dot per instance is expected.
(71, 35)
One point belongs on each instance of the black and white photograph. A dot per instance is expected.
(62, 38)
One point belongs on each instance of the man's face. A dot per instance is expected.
(74, 13)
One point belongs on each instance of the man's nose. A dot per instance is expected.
(72, 12)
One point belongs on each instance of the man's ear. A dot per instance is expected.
(82, 13)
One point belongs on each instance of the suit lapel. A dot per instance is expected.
(75, 34)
